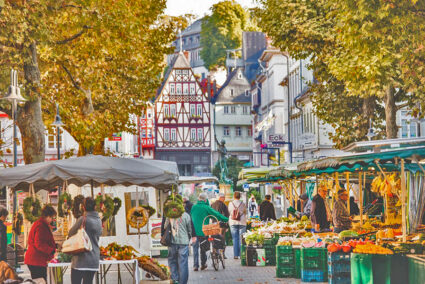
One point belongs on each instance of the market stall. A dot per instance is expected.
(389, 169)
(102, 174)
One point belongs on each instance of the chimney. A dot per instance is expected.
(187, 55)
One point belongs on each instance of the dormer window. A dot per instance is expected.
(232, 92)
(239, 75)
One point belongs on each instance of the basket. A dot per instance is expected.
(211, 229)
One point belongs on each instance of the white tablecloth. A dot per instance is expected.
(132, 266)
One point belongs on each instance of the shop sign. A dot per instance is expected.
(116, 137)
(276, 138)
(308, 140)
(155, 234)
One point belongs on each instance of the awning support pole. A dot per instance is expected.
(386, 195)
(361, 198)
(347, 178)
(92, 191)
(403, 201)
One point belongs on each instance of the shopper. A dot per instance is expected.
(321, 215)
(354, 208)
(221, 207)
(3, 234)
(267, 211)
(341, 217)
(199, 211)
(237, 222)
(195, 244)
(41, 244)
(178, 252)
(84, 265)
(252, 207)
(305, 205)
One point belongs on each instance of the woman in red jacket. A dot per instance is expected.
(41, 244)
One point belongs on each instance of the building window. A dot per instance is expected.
(172, 88)
(166, 110)
(193, 134)
(408, 128)
(192, 88)
(247, 93)
(167, 134)
(52, 139)
(143, 133)
(149, 114)
(200, 134)
(185, 89)
(232, 92)
(192, 110)
(173, 134)
(173, 110)
(238, 131)
(226, 109)
(246, 110)
(233, 109)
(199, 110)
(240, 75)
(149, 133)
(249, 131)
(178, 88)
(226, 131)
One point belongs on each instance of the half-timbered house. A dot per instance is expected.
(182, 120)
(147, 132)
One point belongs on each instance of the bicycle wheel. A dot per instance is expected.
(215, 259)
(222, 258)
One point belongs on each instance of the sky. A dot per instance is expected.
(197, 7)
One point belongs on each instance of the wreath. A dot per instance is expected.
(173, 206)
(105, 205)
(137, 217)
(65, 204)
(32, 209)
(117, 205)
(76, 208)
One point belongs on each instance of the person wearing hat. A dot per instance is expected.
(305, 205)
(321, 215)
(341, 217)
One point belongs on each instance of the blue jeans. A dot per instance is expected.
(195, 247)
(178, 256)
(237, 232)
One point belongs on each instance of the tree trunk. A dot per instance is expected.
(368, 109)
(29, 118)
(390, 113)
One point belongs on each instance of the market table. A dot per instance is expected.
(55, 271)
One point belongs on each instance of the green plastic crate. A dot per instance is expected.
(285, 272)
(297, 254)
(371, 268)
(314, 258)
(270, 256)
(243, 255)
(285, 260)
(416, 270)
(284, 250)
(270, 242)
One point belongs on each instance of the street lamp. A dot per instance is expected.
(14, 96)
(370, 134)
(58, 124)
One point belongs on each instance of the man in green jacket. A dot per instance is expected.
(199, 211)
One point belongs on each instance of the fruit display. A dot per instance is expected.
(391, 185)
(115, 251)
(370, 248)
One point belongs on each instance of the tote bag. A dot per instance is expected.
(166, 238)
(78, 243)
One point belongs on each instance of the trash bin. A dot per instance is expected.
(370, 268)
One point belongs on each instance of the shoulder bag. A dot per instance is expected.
(78, 243)
(166, 238)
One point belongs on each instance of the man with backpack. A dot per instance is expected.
(237, 222)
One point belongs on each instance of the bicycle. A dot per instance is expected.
(212, 232)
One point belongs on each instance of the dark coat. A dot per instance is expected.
(318, 212)
(41, 244)
(187, 207)
(3, 241)
(221, 207)
(267, 211)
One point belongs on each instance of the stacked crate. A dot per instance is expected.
(285, 262)
(243, 255)
(339, 268)
(269, 246)
(314, 264)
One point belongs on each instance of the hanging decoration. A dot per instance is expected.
(65, 204)
(104, 205)
(150, 209)
(32, 206)
(77, 211)
(117, 205)
(173, 206)
(137, 217)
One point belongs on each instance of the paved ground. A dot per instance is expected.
(233, 273)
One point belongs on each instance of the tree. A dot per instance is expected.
(222, 31)
(234, 165)
(357, 51)
(100, 60)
